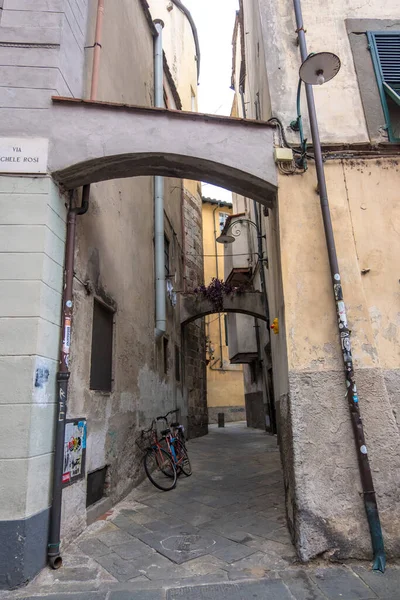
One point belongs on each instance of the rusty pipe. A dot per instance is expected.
(54, 541)
(370, 502)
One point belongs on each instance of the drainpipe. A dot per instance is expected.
(161, 315)
(370, 502)
(53, 552)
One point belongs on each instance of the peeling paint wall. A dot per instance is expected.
(225, 391)
(339, 103)
(365, 212)
(323, 491)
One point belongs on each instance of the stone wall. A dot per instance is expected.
(32, 234)
(194, 333)
(45, 50)
(232, 413)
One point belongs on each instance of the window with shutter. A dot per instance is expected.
(385, 52)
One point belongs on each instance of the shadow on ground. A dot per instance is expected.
(220, 534)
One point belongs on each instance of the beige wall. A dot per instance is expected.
(179, 48)
(115, 256)
(363, 197)
(324, 495)
(224, 381)
(339, 105)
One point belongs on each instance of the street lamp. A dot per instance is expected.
(314, 69)
(226, 238)
(317, 69)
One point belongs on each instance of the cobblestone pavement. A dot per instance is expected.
(220, 534)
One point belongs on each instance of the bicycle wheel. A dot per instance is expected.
(164, 466)
(183, 458)
(157, 463)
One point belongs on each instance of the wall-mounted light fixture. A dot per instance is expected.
(317, 69)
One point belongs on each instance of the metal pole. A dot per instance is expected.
(53, 552)
(370, 502)
(63, 374)
(159, 235)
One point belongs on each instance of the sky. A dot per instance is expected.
(215, 20)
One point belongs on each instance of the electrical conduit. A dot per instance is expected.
(159, 267)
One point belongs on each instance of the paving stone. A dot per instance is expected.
(165, 524)
(302, 587)
(138, 595)
(78, 596)
(205, 565)
(113, 538)
(121, 569)
(94, 548)
(286, 551)
(280, 535)
(259, 590)
(259, 560)
(383, 584)
(133, 549)
(338, 583)
(185, 543)
(75, 574)
(232, 553)
(125, 523)
(263, 527)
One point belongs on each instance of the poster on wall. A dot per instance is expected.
(74, 451)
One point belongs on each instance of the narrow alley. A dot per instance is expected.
(220, 533)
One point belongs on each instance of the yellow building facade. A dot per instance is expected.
(225, 389)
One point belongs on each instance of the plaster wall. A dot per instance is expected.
(180, 50)
(339, 105)
(32, 235)
(224, 380)
(365, 214)
(115, 264)
(42, 53)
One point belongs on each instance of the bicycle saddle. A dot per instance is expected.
(165, 431)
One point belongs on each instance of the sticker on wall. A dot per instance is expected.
(74, 451)
(67, 335)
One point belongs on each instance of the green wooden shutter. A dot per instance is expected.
(385, 52)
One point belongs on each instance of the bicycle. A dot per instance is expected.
(157, 461)
(173, 437)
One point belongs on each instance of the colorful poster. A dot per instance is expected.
(74, 450)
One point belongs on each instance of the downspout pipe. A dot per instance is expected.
(63, 375)
(159, 242)
(369, 495)
(53, 552)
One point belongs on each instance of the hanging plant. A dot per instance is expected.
(215, 292)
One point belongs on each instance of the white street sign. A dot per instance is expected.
(22, 155)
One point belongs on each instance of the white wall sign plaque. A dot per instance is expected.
(23, 155)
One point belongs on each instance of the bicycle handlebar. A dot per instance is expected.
(150, 428)
(164, 418)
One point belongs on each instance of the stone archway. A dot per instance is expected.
(96, 141)
(194, 307)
